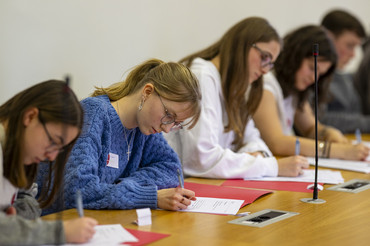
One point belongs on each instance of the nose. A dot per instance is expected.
(313, 77)
(265, 69)
(352, 53)
(167, 128)
(51, 156)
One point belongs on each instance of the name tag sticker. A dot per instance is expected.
(112, 160)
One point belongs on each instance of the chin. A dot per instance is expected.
(27, 163)
(144, 131)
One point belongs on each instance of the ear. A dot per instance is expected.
(331, 35)
(148, 89)
(30, 115)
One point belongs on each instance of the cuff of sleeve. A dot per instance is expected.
(265, 167)
(141, 197)
(271, 166)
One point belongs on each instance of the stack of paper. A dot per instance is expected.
(324, 176)
(357, 166)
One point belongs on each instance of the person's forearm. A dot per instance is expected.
(15, 230)
(347, 123)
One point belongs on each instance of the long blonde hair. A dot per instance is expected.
(173, 81)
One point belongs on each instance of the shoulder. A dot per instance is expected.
(99, 105)
(153, 138)
(203, 68)
(95, 103)
(156, 146)
(156, 142)
(269, 80)
(207, 74)
(97, 111)
(270, 83)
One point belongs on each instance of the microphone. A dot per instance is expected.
(315, 199)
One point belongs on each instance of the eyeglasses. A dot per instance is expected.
(266, 58)
(169, 118)
(53, 145)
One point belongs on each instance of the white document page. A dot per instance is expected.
(110, 235)
(214, 206)
(324, 176)
(357, 166)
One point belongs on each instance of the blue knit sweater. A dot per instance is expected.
(152, 164)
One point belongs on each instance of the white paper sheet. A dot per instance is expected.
(110, 235)
(357, 166)
(214, 206)
(324, 176)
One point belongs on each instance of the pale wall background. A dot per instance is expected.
(96, 41)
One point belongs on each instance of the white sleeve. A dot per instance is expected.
(203, 151)
(253, 140)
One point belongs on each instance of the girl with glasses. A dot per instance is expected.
(284, 106)
(35, 125)
(224, 143)
(121, 160)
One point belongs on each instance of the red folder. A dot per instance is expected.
(144, 237)
(215, 191)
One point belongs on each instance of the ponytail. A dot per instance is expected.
(135, 79)
(173, 81)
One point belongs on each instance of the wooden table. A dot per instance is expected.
(343, 220)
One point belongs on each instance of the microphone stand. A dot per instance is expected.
(315, 199)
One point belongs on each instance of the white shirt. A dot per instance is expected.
(207, 150)
(285, 107)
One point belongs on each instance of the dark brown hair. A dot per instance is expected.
(298, 46)
(233, 49)
(58, 104)
(338, 21)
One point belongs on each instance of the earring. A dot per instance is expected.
(141, 104)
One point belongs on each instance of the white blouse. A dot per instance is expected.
(207, 150)
(285, 107)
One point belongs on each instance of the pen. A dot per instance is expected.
(297, 147)
(358, 135)
(14, 198)
(180, 180)
(80, 208)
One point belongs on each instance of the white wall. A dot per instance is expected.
(96, 41)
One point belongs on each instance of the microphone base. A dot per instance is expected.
(314, 201)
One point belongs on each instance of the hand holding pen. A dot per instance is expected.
(79, 204)
(79, 230)
(297, 146)
(181, 182)
(358, 135)
(175, 198)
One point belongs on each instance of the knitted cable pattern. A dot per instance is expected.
(152, 164)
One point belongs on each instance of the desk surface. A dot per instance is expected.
(343, 220)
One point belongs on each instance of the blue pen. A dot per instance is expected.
(358, 135)
(79, 205)
(297, 147)
(180, 179)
